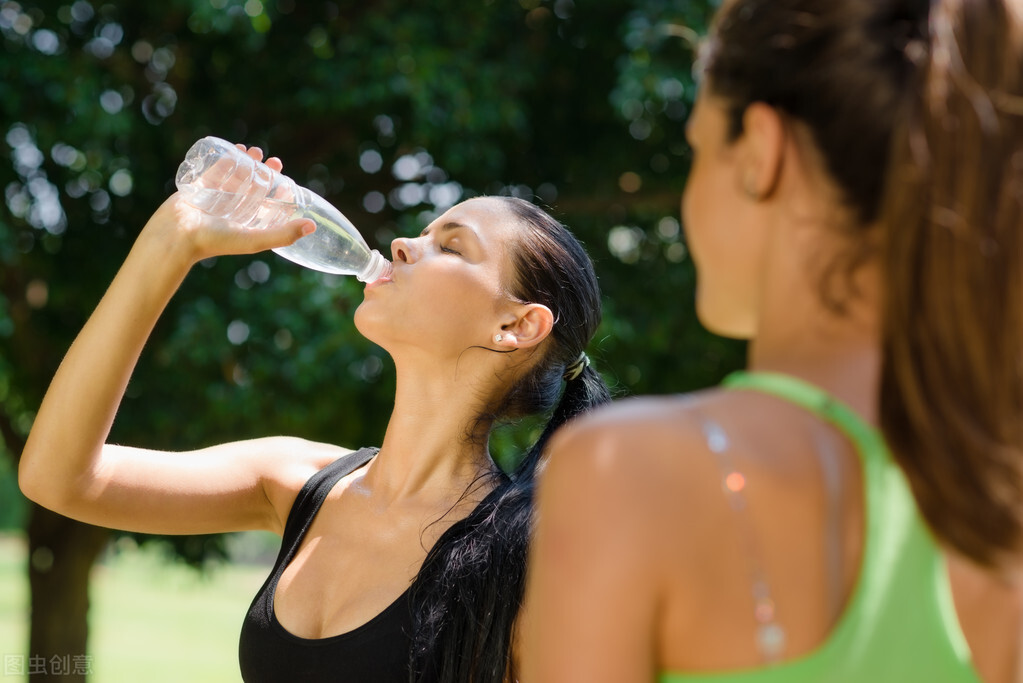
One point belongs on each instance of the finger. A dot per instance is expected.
(256, 153)
(274, 163)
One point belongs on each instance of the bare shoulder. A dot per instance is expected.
(614, 502)
(283, 458)
(297, 450)
(287, 463)
(635, 446)
(650, 452)
(628, 472)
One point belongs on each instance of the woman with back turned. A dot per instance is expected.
(849, 509)
(403, 563)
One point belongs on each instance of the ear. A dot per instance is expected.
(526, 326)
(763, 145)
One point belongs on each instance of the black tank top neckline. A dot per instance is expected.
(376, 651)
(386, 613)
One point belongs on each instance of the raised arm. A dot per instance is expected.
(66, 465)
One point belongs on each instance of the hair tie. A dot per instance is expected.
(576, 367)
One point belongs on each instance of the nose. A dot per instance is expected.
(403, 249)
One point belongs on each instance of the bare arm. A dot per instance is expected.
(235, 486)
(66, 466)
(591, 598)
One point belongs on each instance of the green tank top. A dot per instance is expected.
(899, 624)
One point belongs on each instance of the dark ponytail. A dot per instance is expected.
(916, 107)
(952, 379)
(469, 590)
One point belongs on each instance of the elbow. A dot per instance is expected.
(31, 480)
(40, 484)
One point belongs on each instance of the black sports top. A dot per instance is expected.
(376, 651)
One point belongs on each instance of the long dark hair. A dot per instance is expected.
(917, 110)
(469, 590)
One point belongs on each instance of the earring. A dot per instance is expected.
(498, 338)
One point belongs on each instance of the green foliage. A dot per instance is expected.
(393, 111)
(12, 503)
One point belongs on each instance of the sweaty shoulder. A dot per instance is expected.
(642, 459)
(615, 501)
(642, 438)
(639, 449)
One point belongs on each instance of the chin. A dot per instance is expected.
(365, 324)
(724, 323)
(378, 327)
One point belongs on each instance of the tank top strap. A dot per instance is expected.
(315, 491)
(867, 438)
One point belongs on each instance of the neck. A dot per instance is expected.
(435, 445)
(799, 335)
(848, 369)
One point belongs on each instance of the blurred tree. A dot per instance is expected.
(394, 112)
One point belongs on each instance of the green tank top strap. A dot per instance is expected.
(868, 440)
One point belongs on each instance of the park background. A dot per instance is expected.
(393, 111)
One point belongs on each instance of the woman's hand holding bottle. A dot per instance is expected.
(190, 235)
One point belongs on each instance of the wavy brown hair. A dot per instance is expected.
(952, 384)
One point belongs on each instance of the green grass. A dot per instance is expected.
(151, 620)
(13, 597)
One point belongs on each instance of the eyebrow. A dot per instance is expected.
(452, 225)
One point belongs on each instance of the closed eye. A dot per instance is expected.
(449, 250)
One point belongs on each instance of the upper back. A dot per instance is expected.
(790, 522)
(858, 590)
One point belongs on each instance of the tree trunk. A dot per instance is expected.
(61, 553)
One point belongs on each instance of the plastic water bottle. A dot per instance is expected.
(218, 178)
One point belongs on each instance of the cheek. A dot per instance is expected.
(440, 307)
(452, 294)
(705, 214)
(717, 234)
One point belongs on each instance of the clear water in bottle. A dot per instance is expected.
(218, 178)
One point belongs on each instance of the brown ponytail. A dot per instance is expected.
(952, 378)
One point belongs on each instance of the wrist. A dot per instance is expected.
(163, 251)
(171, 235)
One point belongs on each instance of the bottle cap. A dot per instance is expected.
(377, 267)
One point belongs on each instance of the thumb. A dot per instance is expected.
(281, 235)
(298, 229)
